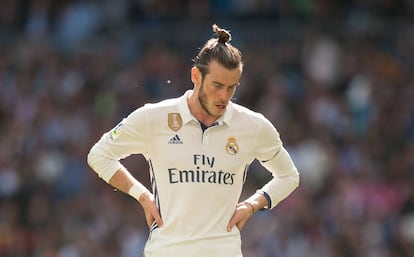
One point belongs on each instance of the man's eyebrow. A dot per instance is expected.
(218, 83)
(221, 84)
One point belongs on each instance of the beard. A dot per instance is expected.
(202, 98)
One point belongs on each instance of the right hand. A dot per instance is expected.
(151, 211)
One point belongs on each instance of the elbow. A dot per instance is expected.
(102, 165)
(94, 163)
(89, 159)
(296, 178)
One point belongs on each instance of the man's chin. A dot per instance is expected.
(219, 113)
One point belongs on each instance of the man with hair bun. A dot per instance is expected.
(198, 147)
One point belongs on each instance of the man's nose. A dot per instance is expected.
(224, 95)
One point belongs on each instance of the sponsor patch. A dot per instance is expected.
(175, 122)
(115, 131)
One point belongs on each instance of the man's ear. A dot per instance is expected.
(195, 76)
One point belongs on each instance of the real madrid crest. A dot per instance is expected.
(174, 121)
(232, 147)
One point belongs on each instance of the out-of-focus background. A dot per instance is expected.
(335, 77)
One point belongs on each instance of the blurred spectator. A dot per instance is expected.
(335, 78)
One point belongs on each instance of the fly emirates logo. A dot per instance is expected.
(203, 172)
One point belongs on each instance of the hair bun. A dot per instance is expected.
(224, 36)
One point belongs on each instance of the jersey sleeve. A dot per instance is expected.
(129, 137)
(275, 158)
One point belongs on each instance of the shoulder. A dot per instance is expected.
(256, 120)
(164, 104)
(154, 110)
(244, 112)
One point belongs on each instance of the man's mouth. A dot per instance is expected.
(221, 106)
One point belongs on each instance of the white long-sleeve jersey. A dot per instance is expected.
(197, 176)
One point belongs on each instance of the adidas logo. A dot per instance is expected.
(175, 140)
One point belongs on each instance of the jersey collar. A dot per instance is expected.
(187, 116)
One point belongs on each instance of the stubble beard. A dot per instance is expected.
(202, 99)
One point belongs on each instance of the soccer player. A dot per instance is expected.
(198, 147)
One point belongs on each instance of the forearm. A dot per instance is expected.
(257, 202)
(113, 173)
(122, 180)
(125, 182)
(279, 188)
(107, 167)
(285, 178)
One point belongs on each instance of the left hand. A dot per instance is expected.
(241, 215)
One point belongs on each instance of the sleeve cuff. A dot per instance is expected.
(269, 200)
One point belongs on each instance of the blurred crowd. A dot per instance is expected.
(335, 77)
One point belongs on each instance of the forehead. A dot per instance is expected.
(219, 73)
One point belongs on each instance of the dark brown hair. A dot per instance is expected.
(220, 50)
